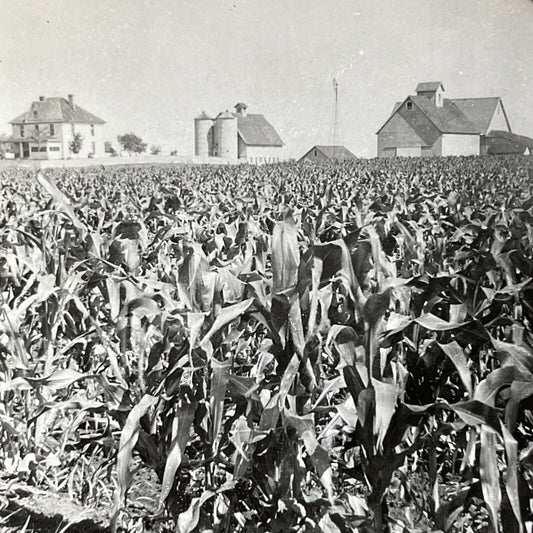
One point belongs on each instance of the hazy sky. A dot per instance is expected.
(150, 66)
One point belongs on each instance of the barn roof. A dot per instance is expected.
(479, 110)
(397, 106)
(255, 130)
(337, 152)
(458, 115)
(448, 118)
(505, 142)
(428, 86)
(512, 137)
(56, 110)
(464, 115)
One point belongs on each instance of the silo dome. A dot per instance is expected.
(226, 135)
(203, 135)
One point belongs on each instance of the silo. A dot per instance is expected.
(226, 135)
(203, 135)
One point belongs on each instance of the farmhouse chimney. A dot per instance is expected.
(71, 100)
(41, 98)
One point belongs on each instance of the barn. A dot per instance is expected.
(319, 153)
(238, 136)
(427, 124)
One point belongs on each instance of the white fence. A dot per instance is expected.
(114, 161)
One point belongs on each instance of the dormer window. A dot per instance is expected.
(409, 106)
(34, 114)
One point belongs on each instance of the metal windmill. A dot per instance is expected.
(336, 136)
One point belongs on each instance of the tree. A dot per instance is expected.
(131, 143)
(154, 150)
(5, 145)
(76, 143)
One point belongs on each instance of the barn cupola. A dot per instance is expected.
(240, 109)
(433, 90)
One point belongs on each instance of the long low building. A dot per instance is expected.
(506, 143)
(427, 124)
(238, 136)
(47, 128)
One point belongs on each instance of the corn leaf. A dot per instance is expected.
(285, 255)
(489, 474)
(128, 439)
(457, 356)
(184, 418)
(188, 520)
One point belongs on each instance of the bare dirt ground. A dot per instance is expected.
(25, 508)
(28, 509)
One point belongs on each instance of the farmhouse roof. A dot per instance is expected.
(428, 86)
(337, 152)
(255, 130)
(56, 110)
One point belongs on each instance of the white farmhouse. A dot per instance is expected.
(46, 130)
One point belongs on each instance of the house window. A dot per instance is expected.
(36, 128)
(72, 129)
(34, 148)
(52, 129)
(54, 149)
(92, 130)
(94, 147)
(35, 114)
(22, 131)
(409, 106)
(315, 153)
(42, 149)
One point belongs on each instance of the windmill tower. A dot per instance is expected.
(336, 136)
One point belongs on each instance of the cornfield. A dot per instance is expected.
(336, 348)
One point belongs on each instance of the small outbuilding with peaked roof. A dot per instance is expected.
(320, 153)
(46, 129)
(429, 124)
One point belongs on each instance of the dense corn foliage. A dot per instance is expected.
(288, 348)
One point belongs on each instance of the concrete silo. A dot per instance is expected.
(226, 142)
(203, 135)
